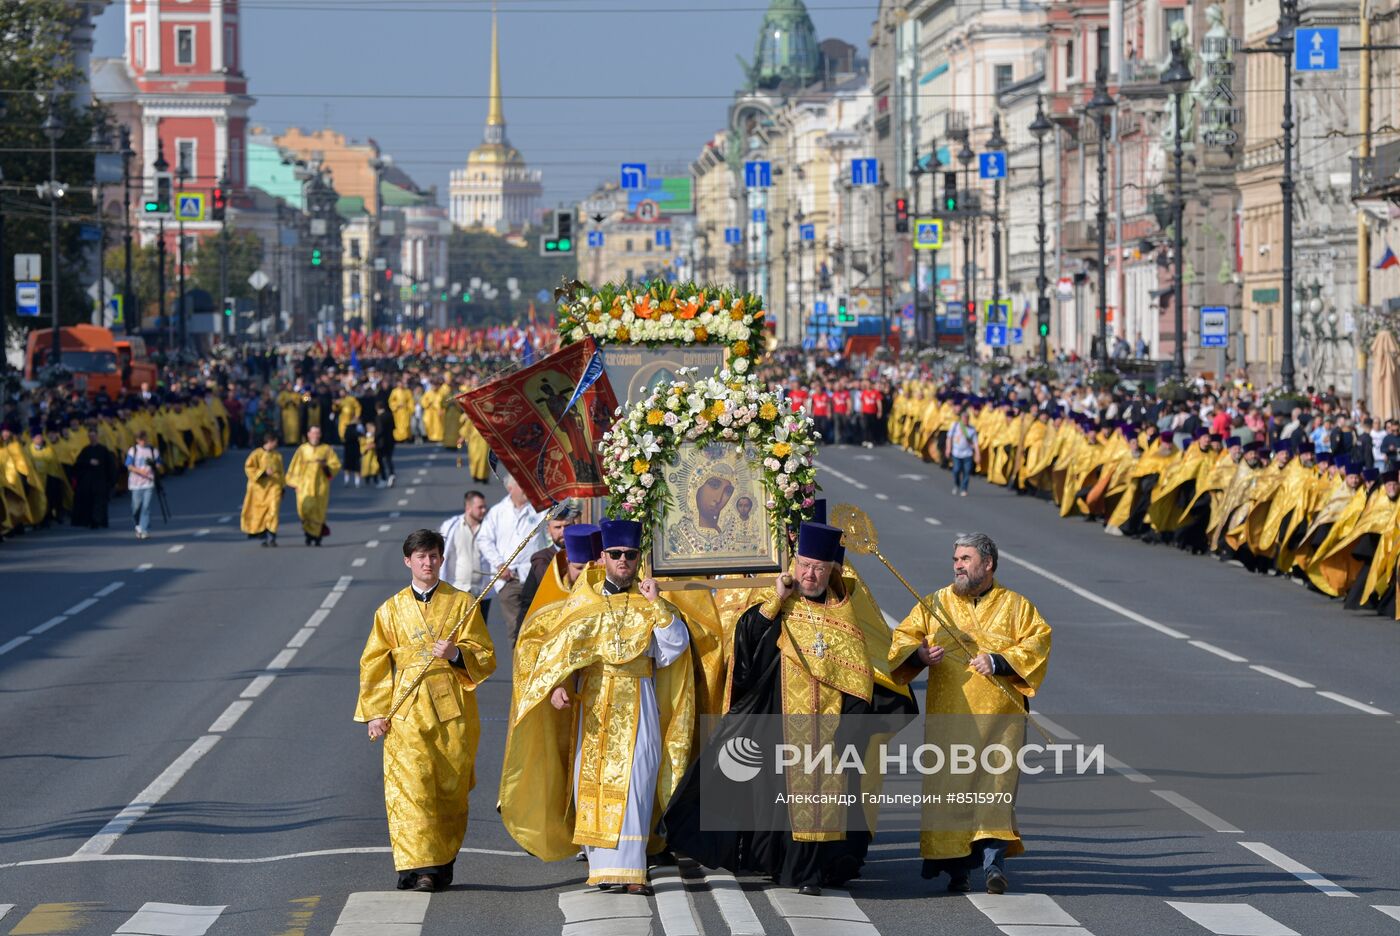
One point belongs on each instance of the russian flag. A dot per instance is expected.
(1025, 314)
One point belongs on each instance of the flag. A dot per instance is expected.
(355, 362)
(527, 353)
(1388, 259)
(1025, 314)
(546, 422)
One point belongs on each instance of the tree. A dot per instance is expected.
(245, 254)
(495, 260)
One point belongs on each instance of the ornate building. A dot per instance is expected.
(496, 190)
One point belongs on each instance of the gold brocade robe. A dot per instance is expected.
(1285, 511)
(430, 750)
(1382, 569)
(263, 497)
(604, 639)
(312, 469)
(1167, 511)
(369, 458)
(1332, 567)
(1155, 462)
(432, 401)
(401, 406)
(1002, 622)
(32, 480)
(289, 402)
(1331, 502)
(452, 417)
(349, 411)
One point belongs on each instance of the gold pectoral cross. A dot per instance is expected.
(820, 646)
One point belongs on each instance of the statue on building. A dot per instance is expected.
(1214, 86)
(1186, 100)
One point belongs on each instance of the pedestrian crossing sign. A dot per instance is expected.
(189, 207)
(928, 234)
(997, 313)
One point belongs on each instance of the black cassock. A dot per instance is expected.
(350, 456)
(738, 826)
(94, 475)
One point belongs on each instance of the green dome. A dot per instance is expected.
(786, 52)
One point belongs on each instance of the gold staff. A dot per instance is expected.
(860, 536)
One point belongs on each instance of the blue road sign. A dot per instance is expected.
(760, 216)
(996, 336)
(27, 299)
(819, 307)
(1215, 326)
(808, 232)
(865, 172)
(928, 234)
(833, 342)
(809, 344)
(634, 176)
(992, 165)
(663, 237)
(1017, 336)
(595, 238)
(758, 175)
(1316, 49)
(733, 236)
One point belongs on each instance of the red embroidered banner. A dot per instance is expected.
(550, 447)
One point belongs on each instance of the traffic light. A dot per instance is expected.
(950, 192)
(563, 240)
(842, 313)
(316, 256)
(1043, 317)
(901, 216)
(161, 203)
(218, 204)
(466, 297)
(388, 275)
(228, 306)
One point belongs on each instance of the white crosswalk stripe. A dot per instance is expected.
(834, 913)
(603, 913)
(1392, 912)
(1231, 919)
(1024, 914)
(4, 909)
(673, 903)
(164, 919)
(382, 913)
(733, 905)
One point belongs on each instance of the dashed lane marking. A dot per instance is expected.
(395, 515)
(258, 686)
(1291, 680)
(932, 521)
(1212, 648)
(399, 913)
(385, 527)
(733, 904)
(145, 567)
(1027, 913)
(1296, 868)
(163, 919)
(833, 912)
(282, 660)
(1231, 919)
(403, 501)
(882, 496)
(231, 715)
(176, 548)
(1347, 700)
(411, 491)
(10, 645)
(357, 562)
(48, 625)
(858, 485)
(905, 508)
(342, 583)
(604, 913)
(300, 638)
(317, 616)
(203, 532)
(1392, 912)
(81, 606)
(1090, 596)
(1197, 812)
(104, 592)
(102, 842)
(226, 518)
(673, 903)
(330, 600)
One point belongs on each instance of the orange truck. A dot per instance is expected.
(97, 360)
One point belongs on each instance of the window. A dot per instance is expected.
(1169, 20)
(354, 250)
(629, 248)
(184, 45)
(1003, 77)
(1101, 52)
(138, 45)
(234, 169)
(1069, 59)
(185, 157)
(230, 50)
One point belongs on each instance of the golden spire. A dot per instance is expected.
(496, 117)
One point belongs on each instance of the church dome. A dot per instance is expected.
(787, 51)
(495, 154)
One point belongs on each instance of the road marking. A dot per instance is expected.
(7, 647)
(1301, 871)
(330, 600)
(4, 909)
(266, 859)
(203, 532)
(257, 686)
(282, 659)
(1291, 680)
(411, 491)
(66, 917)
(145, 567)
(103, 593)
(1090, 596)
(1212, 648)
(399, 913)
(1054, 727)
(1127, 772)
(833, 912)
(317, 616)
(176, 548)
(81, 606)
(300, 638)
(357, 562)
(343, 583)
(226, 518)
(603, 913)
(906, 508)
(385, 527)
(1196, 811)
(403, 502)
(48, 625)
(1346, 700)
(733, 904)
(1010, 912)
(932, 522)
(913, 477)
(163, 919)
(102, 842)
(1231, 919)
(673, 903)
(1392, 912)
(395, 515)
(881, 496)
(859, 486)
(231, 715)
(372, 544)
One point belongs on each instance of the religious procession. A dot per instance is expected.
(639, 661)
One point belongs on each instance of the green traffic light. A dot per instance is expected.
(1045, 329)
(315, 258)
(951, 204)
(466, 297)
(565, 244)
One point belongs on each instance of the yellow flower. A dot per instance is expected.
(615, 312)
(594, 316)
(781, 449)
(654, 417)
(641, 466)
(737, 315)
(668, 305)
(622, 333)
(717, 407)
(768, 411)
(701, 333)
(741, 348)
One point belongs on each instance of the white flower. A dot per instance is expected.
(782, 481)
(771, 464)
(670, 419)
(790, 466)
(753, 431)
(647, 479)
(649, 446)
(741, 364)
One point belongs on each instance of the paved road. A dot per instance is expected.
(180, 759)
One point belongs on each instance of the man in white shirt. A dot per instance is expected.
(463, 565)
(506, 524)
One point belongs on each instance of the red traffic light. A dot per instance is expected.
(901, 207)
(220, 199)
(388, 276)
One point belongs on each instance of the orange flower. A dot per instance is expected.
(741, 348)
(615, 312)
(594, 316)
(737, 315)
(688, 309)
(622, 333)
(701, 333)
(739, 303)
(643, 307)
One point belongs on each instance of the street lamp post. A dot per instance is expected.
(98, 140)
(787, 257)
(914, 174)
(131, 316)
(53, 129)
(1281, 42)
(182, 173)
(1099, 107)
(1177, 79)
(799, 217)
(996, 143)
(884, 188)
(161, 166)
(223, 184)
(965, 157)
(1039, 127)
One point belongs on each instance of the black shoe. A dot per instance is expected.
(959, 885)
(810, 890)
(996, 881)
(265, 543)
(308, 539)
(424, 884)
(317, 541)
(272, 542)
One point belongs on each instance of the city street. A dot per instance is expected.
(179, 745)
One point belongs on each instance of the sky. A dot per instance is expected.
(589, 84)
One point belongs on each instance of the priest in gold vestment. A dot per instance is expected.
(620, 664)
(263, 497)
(313, 468)
(430, 741)
(999, 637)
